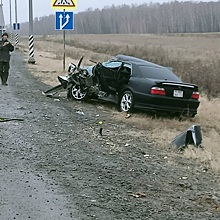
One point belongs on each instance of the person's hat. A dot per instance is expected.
(5, 34)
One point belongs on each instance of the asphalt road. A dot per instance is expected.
(55, 165)
(25, 193)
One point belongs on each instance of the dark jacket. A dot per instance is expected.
(5, 51)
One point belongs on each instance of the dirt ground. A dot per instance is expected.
(55, 164)
(49, 51)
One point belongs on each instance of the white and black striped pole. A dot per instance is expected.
(31, 59)
(16, 40)
(16, 25)
(11, 33)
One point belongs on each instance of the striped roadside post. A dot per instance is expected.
(31, 49)
(16, 40)
(16, 25)
(11, 37)
(31, 59)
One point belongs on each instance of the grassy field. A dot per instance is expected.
(194, 57)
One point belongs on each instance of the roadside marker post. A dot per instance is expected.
(64, 20)
(31, 34)
(11, 37)
(16, 26)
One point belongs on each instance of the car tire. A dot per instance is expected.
(75, 93)
(126, 101)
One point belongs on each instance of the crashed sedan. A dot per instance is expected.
(148, 86)
(132, 83)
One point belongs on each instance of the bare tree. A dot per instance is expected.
(173, 17)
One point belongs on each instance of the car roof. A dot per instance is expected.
(137, 61)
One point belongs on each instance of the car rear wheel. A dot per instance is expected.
(126, 102)
(77, 94)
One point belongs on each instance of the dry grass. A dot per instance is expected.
(188, 50)
(194, 57)
(163, 130)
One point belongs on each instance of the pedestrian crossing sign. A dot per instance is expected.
(64, 4)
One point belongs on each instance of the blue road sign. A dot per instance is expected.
(16, 26)
(64, 21)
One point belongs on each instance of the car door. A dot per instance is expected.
(110, 69)
(109, 74)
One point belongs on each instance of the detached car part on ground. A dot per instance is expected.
(131, 83)
(191, 136)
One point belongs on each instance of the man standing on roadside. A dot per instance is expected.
(5, 48)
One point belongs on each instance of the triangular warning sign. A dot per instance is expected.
(65, 3)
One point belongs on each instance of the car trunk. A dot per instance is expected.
(178, 89)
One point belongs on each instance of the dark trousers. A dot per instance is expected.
(4, 71)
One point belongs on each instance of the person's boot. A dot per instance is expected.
(1, 77)
(5, 79)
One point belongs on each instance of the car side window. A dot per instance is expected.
(126, 69)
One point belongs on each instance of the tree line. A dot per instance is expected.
(153, 18)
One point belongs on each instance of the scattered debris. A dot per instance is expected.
(128, 116)
(139, 195)
(56, 100)
(80, 113)
(10, 119)
(53, 91)
(190, 136)
(184, 178)
(100, 131)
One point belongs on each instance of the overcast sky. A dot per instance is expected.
(43, 7)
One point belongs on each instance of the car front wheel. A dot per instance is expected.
(77, 94)
(126, 102)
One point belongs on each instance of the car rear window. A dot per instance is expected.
(158, 73)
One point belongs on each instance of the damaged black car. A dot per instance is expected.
(133, 83)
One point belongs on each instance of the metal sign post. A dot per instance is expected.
(16, 22)
(31, 34)
(11, 32)
(64, 20)
(64, 46)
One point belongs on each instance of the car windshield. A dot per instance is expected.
(158, 73)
